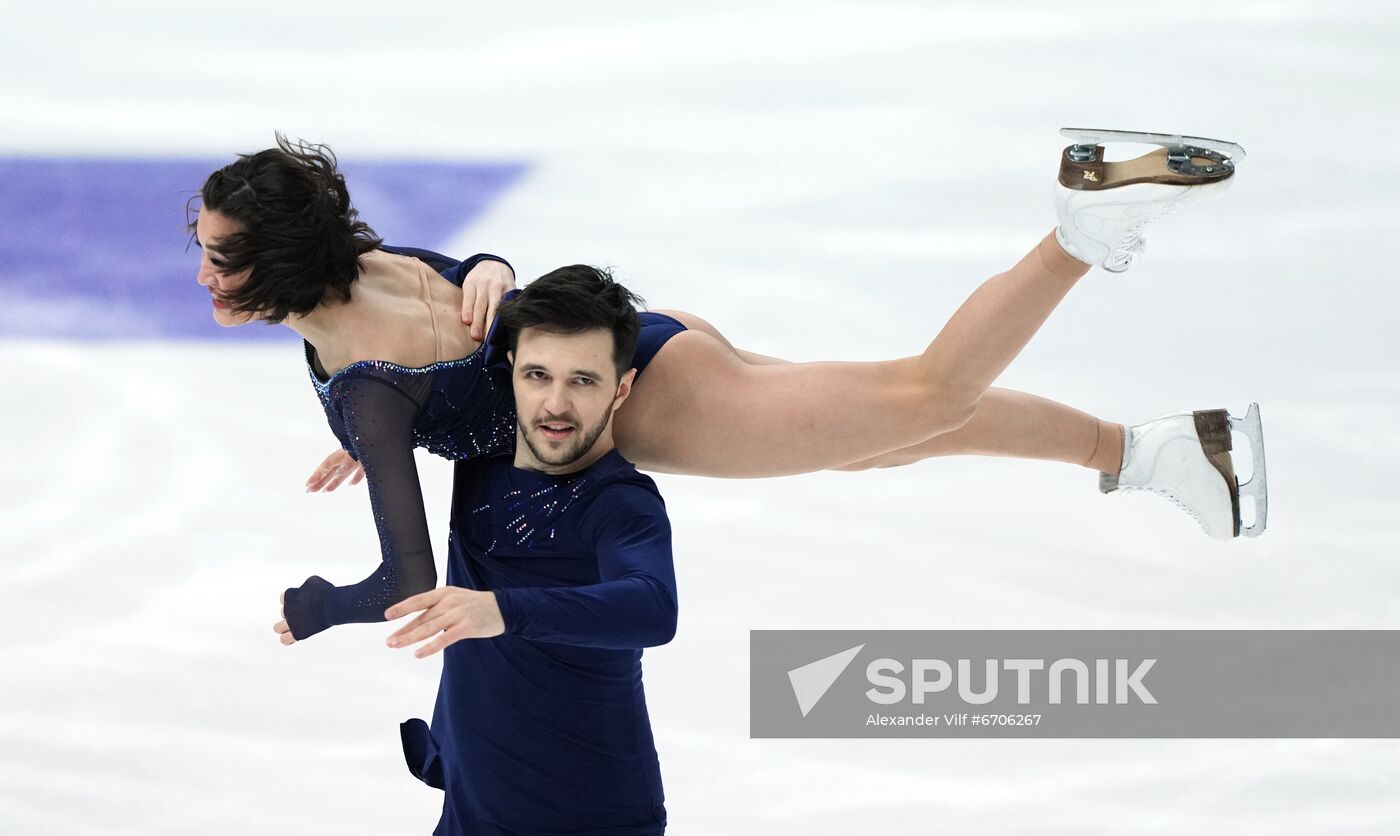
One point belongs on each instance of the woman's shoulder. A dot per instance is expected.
(400, 314)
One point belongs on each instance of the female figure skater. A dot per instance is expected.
(396, 368)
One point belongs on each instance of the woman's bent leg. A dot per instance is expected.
(701, 409)
(997, 320)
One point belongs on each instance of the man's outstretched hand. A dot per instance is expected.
(450, 613)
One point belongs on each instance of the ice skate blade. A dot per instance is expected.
(1098, 136)
(1258, 485)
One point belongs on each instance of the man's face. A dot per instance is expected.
(566, 388)
(210, 229)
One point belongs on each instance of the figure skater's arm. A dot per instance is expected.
(634, 604)
(336, 468)
(475, 261)
(487, 278)
(379, 420)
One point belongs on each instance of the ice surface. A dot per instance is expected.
(821, 181)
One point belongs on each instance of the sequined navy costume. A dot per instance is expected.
(460, 409)
(545, 729)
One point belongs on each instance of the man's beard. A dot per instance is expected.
(583, 442)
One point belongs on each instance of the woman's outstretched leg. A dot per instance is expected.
(1022, 426)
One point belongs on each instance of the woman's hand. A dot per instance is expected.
(335, 469)
(452, 613)
(482, 290)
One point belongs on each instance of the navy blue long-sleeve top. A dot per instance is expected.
(545, 729)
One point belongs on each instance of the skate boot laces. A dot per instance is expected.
(1171, 497)
(1134, 243)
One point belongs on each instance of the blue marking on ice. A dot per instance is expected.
(97, 249)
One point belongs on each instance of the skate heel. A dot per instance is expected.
(1082, 167)
(1213, 429)
(1258, 486)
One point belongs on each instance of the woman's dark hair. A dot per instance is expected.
(574, 299)
(300, 235)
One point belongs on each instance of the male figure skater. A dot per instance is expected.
(559, 573)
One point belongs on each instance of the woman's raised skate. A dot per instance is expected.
(1104, 206)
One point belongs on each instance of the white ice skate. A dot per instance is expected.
(1103, 206)
(1186, 458)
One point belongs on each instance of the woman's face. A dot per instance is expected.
(211, 228)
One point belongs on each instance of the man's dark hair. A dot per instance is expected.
(574, 299)
(300, 235)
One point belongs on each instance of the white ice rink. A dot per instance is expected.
(822, 181)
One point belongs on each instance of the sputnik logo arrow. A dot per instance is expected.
(811, 681)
